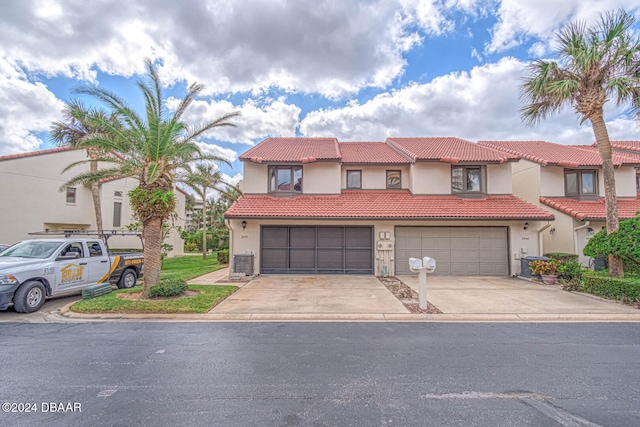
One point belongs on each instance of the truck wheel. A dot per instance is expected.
(29, 297)
(128, 279)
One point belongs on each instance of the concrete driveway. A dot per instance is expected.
(509, 297)
(280, 294)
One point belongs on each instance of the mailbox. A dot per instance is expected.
(422, 267)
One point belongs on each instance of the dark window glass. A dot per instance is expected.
(588, 183)
(457, 175)
(71, 195)
(473, 179)
(572, 183)
(117, 214)
(578, 182)
(285, 179)
(394, 179)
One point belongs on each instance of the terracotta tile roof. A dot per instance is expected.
(448, 149)
(626, 145)
(370, 152)
(35, 153)
(592, 209)
(549, 153)
(293, 150)
(385, 204)
(628, 156)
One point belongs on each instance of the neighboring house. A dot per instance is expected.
(30, 187)
(569, 180)
(317, 206)
(631, 147)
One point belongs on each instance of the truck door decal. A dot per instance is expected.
(71, 273)
(114, 264)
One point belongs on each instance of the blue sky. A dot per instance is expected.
(355, 70)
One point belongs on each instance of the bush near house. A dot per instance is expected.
(223, 256)
(168, 288)
(561, 256)
(625, 289)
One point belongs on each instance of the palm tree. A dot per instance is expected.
(596, 64)
(201, 179)
(70, 131)
(152, 148)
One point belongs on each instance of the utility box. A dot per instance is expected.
(525, 271)
(243, 263)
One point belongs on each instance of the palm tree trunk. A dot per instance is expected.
(95, 192)
(610, 200)
(152, 235)
(204, 225)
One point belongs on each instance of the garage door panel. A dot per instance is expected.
(316, 250)
(457, 250)
(409, 243)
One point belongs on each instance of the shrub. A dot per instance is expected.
(223, 256)
(540, 266)
(597, 283)
(570, 270)
(562, 256)
(168, 288)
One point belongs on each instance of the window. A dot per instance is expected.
(638, 182)
(117, 194)
(394, 179)
(94, 249)
(354, 179)
(117, 213)
(286, 179)
(580, 183)
(468, 179)
(71, 248)
(71, 195)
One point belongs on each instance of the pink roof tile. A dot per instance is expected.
(448, 149)
(549, 153)
(399, 204)
(626, 145)
(35, 153)
(628, 156)
(592, 209)
(293, 150)
(370, 152)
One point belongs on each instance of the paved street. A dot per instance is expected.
(315, 374)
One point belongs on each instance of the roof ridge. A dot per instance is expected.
(37, 153)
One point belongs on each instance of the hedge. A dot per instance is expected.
(223, 256)
(597, 283)
(561, 256)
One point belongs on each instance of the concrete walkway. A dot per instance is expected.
(213, 278)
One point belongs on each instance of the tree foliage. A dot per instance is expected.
(624, 243)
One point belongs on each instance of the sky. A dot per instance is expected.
(356, 70)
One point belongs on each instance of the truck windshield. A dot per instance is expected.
(31, 249)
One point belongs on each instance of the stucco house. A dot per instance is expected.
(30, 186)
(630, 147)
(569, 181)
(319, 206)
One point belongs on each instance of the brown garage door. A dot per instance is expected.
(458, 251)
(316, 250)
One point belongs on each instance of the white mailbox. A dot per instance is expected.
(422, 267)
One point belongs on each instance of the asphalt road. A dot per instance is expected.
(320, 374)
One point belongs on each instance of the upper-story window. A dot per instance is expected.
(354, 179)
(71, 195)
(638, 182)
(468, 179)
(394, 179)
(286, 179)
(580, 183)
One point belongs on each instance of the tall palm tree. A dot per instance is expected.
(201, 179)
(153, 148)
(70, 131)
(596, 64)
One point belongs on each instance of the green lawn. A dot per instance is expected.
(189, 266)
(207, 297)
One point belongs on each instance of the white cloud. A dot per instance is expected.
(476, 105)
(208, 149)
(519, 20)
(257, 120)
(25, 109)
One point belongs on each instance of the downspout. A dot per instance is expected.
(228, 221)
(575, 236)
(540, 248)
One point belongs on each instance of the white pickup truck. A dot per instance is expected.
(32, 270)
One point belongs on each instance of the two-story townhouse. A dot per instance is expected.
(569, 180)
(30, 185)
(319, 206)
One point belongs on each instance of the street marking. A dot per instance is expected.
(160, 351)
(106, 393)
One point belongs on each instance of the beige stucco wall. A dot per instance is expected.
(430, 178)
(255, 178)
(625, 182)
(520, 241)
(499, 178)
(526, 180)
(30, 187)
(552, 181)
(321, 178)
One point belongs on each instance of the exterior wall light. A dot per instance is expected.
(552, 230)
(244, 225)
(526, 225)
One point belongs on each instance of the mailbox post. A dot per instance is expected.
(422, 267)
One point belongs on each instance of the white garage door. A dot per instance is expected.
(458, 251)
